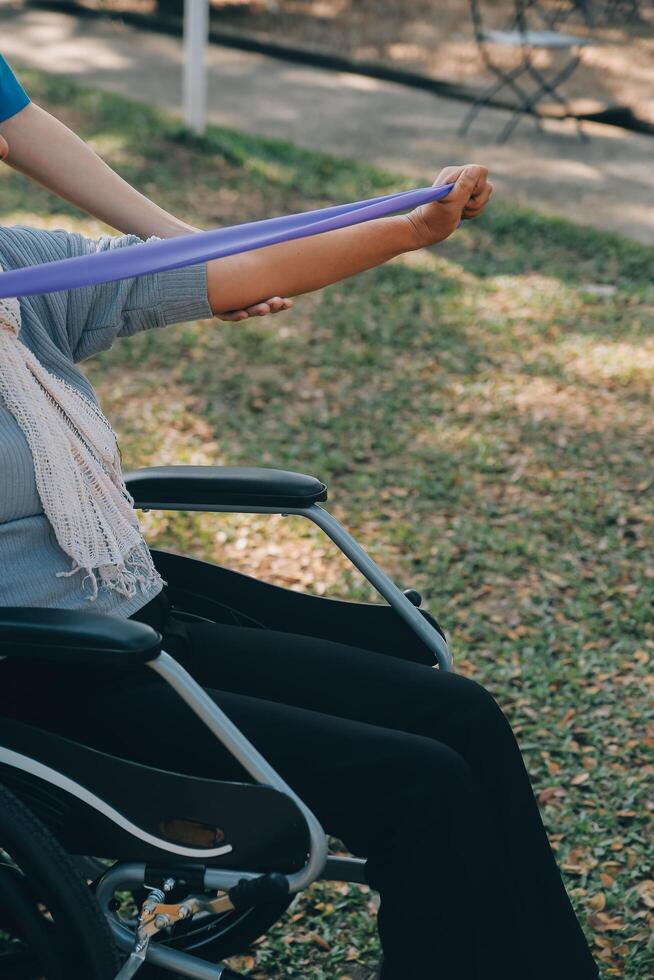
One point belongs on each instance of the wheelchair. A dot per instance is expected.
(109, 868)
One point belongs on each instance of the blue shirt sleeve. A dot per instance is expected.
(13, 97)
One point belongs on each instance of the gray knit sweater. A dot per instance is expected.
(62, 329)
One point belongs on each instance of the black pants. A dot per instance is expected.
(416, 770)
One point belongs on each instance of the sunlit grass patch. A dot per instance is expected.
(607, 365)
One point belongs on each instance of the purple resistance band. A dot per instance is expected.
(173, 253)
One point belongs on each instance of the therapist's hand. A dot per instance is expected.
(275, 305)
(434, 222)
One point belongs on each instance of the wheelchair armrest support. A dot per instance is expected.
(76, 637)
(252, 486)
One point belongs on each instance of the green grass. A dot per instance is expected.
(483, 416)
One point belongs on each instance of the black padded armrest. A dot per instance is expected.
(76, 636)
(175, 486)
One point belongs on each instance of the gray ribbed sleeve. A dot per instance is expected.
(62, 329)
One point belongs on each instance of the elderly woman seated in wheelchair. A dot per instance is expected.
(182, 750)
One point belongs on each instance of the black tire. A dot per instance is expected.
(73, 939)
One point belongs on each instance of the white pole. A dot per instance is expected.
(196, 32)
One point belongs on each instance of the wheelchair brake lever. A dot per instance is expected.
(145, 930)
(150, 921)
(155, 916)
(133, 963)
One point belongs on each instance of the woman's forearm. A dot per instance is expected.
(43, 148)
(300, 266)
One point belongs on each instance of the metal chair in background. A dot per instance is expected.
(610, 11)
(533, 27)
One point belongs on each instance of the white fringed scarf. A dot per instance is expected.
(77, 469)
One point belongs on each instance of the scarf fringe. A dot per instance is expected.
(137, 570)
(77, 470)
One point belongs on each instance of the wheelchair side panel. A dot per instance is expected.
(257, 826)
(219, 594)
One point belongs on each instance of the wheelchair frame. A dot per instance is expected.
(153, 489)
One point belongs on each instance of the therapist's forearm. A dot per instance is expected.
(44, 149)
(300, 266)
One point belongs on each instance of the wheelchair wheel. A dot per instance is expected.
(51, 928)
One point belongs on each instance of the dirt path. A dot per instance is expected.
(607, 182)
